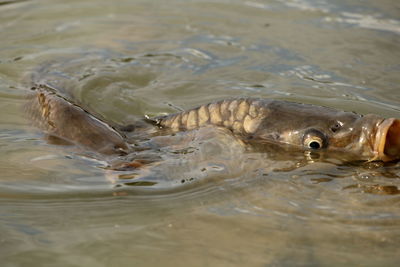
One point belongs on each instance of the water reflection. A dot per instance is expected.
(367, 21)
(202, 201)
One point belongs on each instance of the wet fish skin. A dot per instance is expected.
(303, 125)
(243, 116)
(251, 117)
(255, 120)
(59, 117)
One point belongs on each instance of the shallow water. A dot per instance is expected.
(208, 202)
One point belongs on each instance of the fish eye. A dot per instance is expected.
(314, 139)
(314, 143)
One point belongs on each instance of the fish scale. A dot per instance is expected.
(259, 121)
(242, 116)
(60, 118)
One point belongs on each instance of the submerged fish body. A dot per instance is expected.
(62, 119)
(370, 137)
(252, 120)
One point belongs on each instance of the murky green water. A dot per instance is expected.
(209, 203)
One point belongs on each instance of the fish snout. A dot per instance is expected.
(387, 140)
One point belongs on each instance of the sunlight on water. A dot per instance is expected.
(202, 198)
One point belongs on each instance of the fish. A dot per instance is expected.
(310, 127)
(62, 119)
(254, 121)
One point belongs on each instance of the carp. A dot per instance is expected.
(310, 127)
(63, 119)
(252, 120)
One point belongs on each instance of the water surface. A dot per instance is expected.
(208, 202)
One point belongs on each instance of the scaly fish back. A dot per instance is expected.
(242, 116)
(60, 118)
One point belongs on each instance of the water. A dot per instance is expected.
(208, 202)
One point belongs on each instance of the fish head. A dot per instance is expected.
(369, 137)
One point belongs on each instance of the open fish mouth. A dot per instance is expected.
(387, 140)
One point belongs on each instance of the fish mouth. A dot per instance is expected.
(387, 140)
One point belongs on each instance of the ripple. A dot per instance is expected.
(206, 201)
(374, 22)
